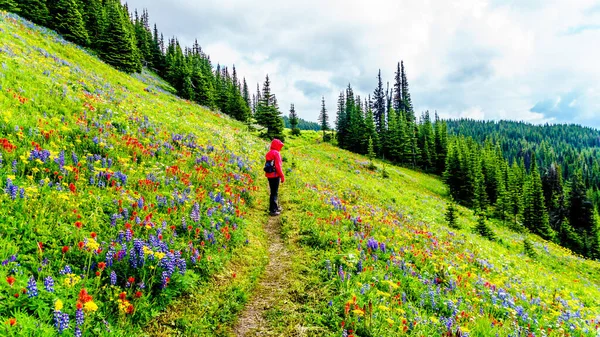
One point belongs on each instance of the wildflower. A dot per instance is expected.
(78, 224)
(138, 294)
(90, 306)
(65, 249)
(32, 287)
(113, 278)
(49, 284)
(92, 244)
(10, 280)
(72, 280)
(61, 321)
(58, 305)
(12, 321)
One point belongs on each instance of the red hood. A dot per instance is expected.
(276, 144)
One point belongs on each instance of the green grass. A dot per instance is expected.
(339, 216)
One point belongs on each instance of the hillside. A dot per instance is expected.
(120, 200)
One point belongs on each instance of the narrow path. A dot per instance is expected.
(272, 286)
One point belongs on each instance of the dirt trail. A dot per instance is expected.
(272, 286)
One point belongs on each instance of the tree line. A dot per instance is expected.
(127, 42)
(514, 171)
(386, 122)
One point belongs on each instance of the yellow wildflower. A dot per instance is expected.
(384, 308)
(90, 306)
(92, 244)
(58, 305)
(72, 280)
(389, 320)
(358, 312)
(159, 255)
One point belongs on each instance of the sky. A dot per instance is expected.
(526, 60)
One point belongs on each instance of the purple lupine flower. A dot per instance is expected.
(341, 272)
(77, 332)
(14, 166)
(195, 214)
(61, 321)
(79, 317)
(49, 284)
(164, 279)
(140, 202)
(32, 290)
(372, 244)
(113, 278)
(60, 160)
(74, 158)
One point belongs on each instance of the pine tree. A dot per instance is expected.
(379, 106)
(67, 21)
(9, 6)
(528, 249)
(246, 93)
(581, 215)
(267, 113)
(324, 118)
(294, 121)
(426, 142)
(341, 122)
(483, 229)
(34, 10)
(441, 144)
(398, 104)
(535, 217)
(451, 216)
(93, 17)
(370, 131)
(117, 42)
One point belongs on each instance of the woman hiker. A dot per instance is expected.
(274, 173)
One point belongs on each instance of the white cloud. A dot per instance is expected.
(488, 59)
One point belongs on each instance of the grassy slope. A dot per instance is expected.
(50, 87)
(425, 269)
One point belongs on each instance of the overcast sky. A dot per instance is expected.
(531, 60)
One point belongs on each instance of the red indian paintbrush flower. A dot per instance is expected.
(10, 280)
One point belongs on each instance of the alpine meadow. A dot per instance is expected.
(133, 200)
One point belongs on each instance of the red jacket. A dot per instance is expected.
(276, 146)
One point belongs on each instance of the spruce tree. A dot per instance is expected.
(398, 104)
(9, 6)
(528, 249)
(341, 122)
(246, 93)
(267, 113)
(117, 42)
(451, 216)
(370, 131)
(34, 10)
(294, 121)
(67, 21)
(324, 118)
(535, 216)
(483, 229)
(379, 105)
(441, 144)
(94, 20)
(581, 215)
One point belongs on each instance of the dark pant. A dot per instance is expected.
(274, 185)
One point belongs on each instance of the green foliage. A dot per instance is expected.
(117, 44)
(68, 21)
(268, 114)
(9, 6)
(35, 11)
(528, 249)
(323, 118)
(451, 217)
(483, 229)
